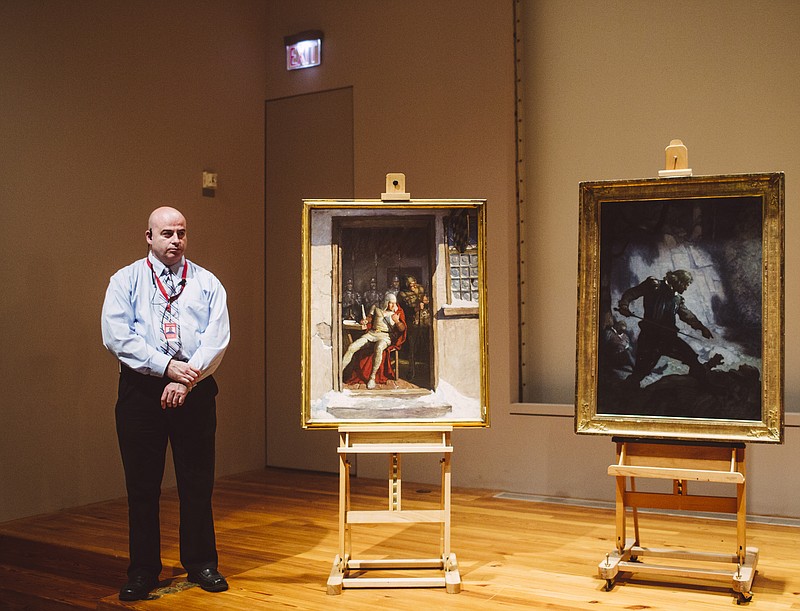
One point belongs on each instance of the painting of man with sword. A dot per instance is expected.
(680, 289)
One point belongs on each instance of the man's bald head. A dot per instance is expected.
(166, 234)
(163, 215)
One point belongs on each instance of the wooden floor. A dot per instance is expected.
(277, 537)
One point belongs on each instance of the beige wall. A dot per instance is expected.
(607, 86)
(433, 97)
(108, 109)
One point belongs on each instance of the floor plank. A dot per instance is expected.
(277, 537)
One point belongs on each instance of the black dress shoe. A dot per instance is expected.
(138, 588)
(210, 580)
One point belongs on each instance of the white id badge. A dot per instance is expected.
(170, 330)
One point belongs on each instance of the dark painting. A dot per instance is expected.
(680, 308)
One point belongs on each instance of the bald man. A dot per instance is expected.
(166, 319)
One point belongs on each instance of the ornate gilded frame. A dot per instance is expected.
(439, 368)
(635, 229)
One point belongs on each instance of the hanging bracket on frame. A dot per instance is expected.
(395, 188)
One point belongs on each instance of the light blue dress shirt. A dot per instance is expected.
(132, 315)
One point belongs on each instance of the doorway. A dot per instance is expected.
(308, 154)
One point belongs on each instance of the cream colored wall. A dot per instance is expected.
(606, 86)
(107, 110)
(433, 93)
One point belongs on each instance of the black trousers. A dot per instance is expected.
(143, 430)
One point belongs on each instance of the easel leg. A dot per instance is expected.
(335, 580)
(348, 542)
(748, 558)
(635, 512)
(741, 510)
(444, 534)
(452, 578)
(620, 513)
(395, 483)
(344, 486)
(609, 568)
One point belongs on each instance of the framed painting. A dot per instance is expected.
(394, 311)
(680, 308)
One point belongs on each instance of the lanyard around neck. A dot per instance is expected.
(169, 298)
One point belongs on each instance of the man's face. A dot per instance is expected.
(681, 286)
(391, 305)
(167, 236)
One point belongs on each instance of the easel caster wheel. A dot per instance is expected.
(609, 585)
(744, 598)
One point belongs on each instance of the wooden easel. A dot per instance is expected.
(680, 462)
(394, 441)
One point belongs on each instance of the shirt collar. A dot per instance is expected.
(159, 267)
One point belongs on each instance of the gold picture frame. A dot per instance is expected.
(394, 313)
(681, 308)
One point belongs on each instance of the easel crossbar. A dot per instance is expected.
(390, 448)
(699, 475)
(391, 563)
(396, 516)
(394, 582)
(660, 500)
(676, 571)
(684, 554)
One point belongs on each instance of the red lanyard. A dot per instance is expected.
(169, 298)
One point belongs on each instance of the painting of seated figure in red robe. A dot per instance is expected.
(385, 332)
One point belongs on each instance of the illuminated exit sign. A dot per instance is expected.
(303, 50)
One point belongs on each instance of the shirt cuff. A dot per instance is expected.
(160, 362)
